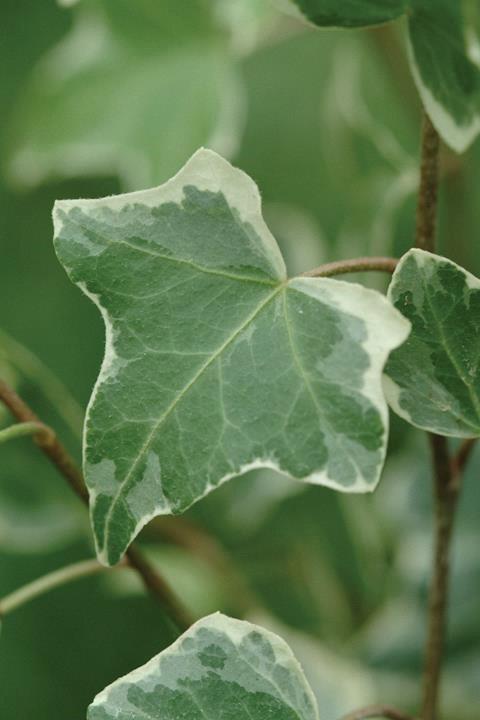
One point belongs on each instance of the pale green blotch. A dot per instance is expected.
(433, 380)
(215, 363)
(219, 668)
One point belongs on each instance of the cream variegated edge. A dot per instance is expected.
(458, 137)
(391, 389)
(375, 311)
(236, 631)
(368, 305)
(207, 170)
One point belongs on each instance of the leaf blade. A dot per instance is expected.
(218, 665)
(350, 13)
(433, 381)
(447, 79)
(201, 379)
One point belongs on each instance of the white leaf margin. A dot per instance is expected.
(236, 631)
(391, 389)
(386, 327)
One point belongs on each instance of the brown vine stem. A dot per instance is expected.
(377, 711)
(447, 485)
(428, 190)
(363, 264)
(447, 471)
(58, 455)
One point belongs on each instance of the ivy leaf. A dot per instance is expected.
(442, 62)
(433, 380)
(107, 99)
(215, 363)
(219, 668)
(446, 77)
(349, 13)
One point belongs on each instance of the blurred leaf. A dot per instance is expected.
(433, 380)
(326, 672)
(351, 167)
(445, 73)
(270, 375)
(350, 13)
(446, 77)
(195, 581)
(37, 529)
(219, 665)
(128, 93)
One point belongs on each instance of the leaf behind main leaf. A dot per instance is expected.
(219, 668)
(214, 362)
(433, 380)
(446, 77)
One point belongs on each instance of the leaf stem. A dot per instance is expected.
(363, 264)
(50, 581)
(21, 430)
(377, 711)
(58, 455)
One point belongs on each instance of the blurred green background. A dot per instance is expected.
(110, 95)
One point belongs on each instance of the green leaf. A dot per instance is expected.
(125, 93)
(215, 363)
(433, 380)
(447, 79)
(219, 668)
(350, 13)
(443, 50)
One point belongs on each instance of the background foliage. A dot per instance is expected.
(327, 124)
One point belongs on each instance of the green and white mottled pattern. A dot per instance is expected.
(220, 669)
(433, 380)
(439, 42)
(215, 363)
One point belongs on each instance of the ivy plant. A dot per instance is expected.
(216, 362)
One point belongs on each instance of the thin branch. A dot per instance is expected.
(428, 190)
(377, 711)
(363, 264)
(183, 533)
(446, 476)
(49, 444)
(22, 429)
(50, 581)
(32, 367)
(59, 456)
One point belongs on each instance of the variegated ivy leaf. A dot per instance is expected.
(220, 668)
(446, 77)
(215, 363)
(440, 38)
(433, 380)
